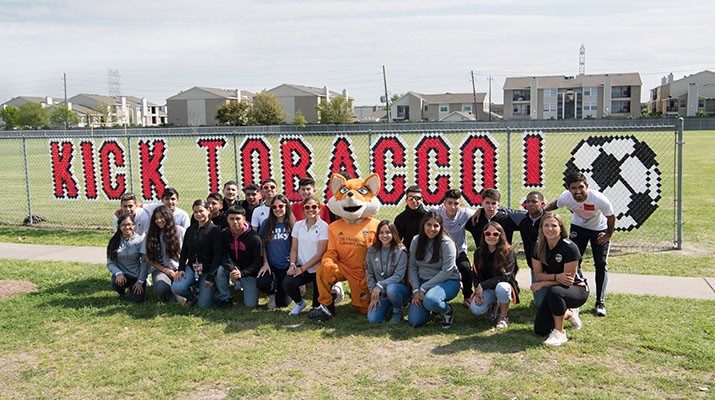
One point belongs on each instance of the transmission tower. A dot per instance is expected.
(114, 86)
(582, 60)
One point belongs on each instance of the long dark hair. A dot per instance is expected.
(116, 239)
(272, 220)
(395, 243)
(423, 241)
(541, 247)
(501, 254)
(171, 236)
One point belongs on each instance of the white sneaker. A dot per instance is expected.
(503, 322)
(556, 338)
(338, 292)
(271, 302)
(575, 319)
(298, 308)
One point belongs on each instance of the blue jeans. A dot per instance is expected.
(247, 284)
(396, 297)
(183, 288)
(501, 294)
(435, 301)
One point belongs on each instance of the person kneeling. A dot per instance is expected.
(385, 266)
(495, 271)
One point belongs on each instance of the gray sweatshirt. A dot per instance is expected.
(425, 275)
(130, 261)
(382, 273)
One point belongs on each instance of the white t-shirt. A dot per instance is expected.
(308, 240)
(141, 221)
(260, 214)
(181, 218)
(592, 213)
(455, 226)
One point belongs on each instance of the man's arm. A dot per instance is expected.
(551, 206)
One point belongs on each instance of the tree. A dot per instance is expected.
(234, 113)
(33, 116)
(266, 110)
(10, 115)
(300, 119)
(64, 117)
(338, 110)
(395, 97)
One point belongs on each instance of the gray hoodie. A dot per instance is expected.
(382, 273)
(425, 275)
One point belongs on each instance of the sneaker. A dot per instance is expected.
(223, 304)
(298, 308)
(396, 317)
(121, 296)
(337, 293)
(601, 310)
(556, 338)
(493, 312)
(575, 319)
(503, 322)
(271, 302)
(448, 318)
(320, 314)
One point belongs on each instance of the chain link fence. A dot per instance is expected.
(73, 179)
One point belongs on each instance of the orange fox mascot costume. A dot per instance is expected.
(355, 201)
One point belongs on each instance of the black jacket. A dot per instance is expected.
(202, 244)
(488, 276)
(244, 251)
(408, 224)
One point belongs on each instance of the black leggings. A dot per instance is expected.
(292, 284)
(558, 299)
(273, 284)
(581, 236)
(465, 270)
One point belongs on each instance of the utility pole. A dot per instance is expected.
(387, 97)
(64, 81)
(474, 93)
(490, 98)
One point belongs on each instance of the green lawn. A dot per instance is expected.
(73, 339)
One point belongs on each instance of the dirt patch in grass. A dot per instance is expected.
(10, 288)
(11, 369)
(206, 394)
(690, 249)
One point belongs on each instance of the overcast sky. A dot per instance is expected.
(163, 47)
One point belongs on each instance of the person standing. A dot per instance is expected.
(593, 221)
(253, 199)
(306, 188)
(260, 213)
(408, 221)
(455, 219)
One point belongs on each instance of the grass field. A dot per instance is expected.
(73, 339)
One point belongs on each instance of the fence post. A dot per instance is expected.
(508, 167)
(129, 161)
(679, 184)
(27, 181)
(235, 159)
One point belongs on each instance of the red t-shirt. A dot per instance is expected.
(297, 209)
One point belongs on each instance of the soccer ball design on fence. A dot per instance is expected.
(625, 170)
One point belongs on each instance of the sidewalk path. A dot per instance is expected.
(668, 286)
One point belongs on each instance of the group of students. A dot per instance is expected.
(266, 244)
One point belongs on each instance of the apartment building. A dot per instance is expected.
(304, 99)
(419, 107)
(198, 106)
(685, 97)
(572, 97)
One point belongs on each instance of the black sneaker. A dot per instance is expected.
(320, 314)
(448, 318)
(601, 310)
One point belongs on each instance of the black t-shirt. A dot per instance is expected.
(501, 217)
(564, 252)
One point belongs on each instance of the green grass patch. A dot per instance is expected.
(37, 235)
(73, 339)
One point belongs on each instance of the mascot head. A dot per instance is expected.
(354, 199)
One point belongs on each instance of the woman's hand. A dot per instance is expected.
(235, 275)
(179, 275)
(564, 279)
(536, 286)
(479, 295)
(264, 269)
(417, 298)
(137, 288)
(120, 280)
(170, 273)
(374, 298)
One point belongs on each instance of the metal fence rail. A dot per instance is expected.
(74, 178)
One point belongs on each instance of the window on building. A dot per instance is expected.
(522, 109)
(590, 106)
(619, 92)
(521, 95)
(620, 107)
(549, 107)
(443, 108)
(550, 92)
(402, 111)
(467, 108)
(590, 91)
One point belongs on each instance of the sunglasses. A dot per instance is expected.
(269, 187)
(310, 207)
(278, 206)
(414, 198)
(494, 234)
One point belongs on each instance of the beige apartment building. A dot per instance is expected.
(198, 106)
(572, 97)
(684, 97)
(304, 99)
(419, 107)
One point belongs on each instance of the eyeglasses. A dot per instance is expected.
(414, 198)
(494, 234)
(126, 225)
(310, 207)
(278, 206)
